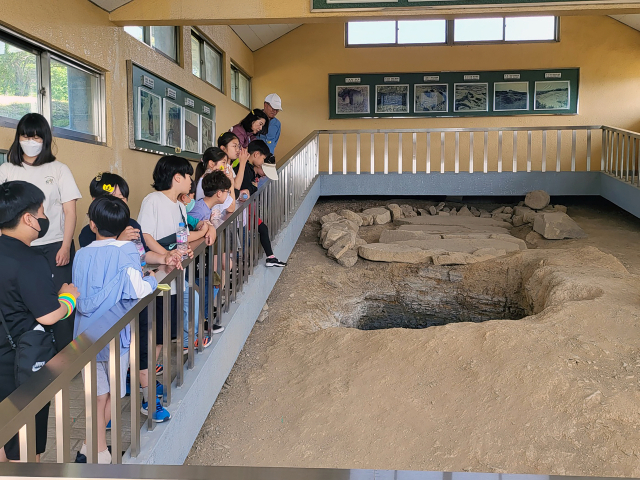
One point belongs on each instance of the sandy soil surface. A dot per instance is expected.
(553, 393)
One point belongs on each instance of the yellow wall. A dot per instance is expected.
(82, 30)
(297, 67)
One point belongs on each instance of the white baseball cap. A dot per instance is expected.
(274, 100)
(270, 171)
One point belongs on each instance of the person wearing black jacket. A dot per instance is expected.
(258, 152)
(28, 298)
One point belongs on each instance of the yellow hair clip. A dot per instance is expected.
(99, 177)
(108, 188)
(252, 112)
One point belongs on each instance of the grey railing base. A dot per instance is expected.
(170, 443)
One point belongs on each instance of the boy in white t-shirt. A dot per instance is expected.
(160, 216)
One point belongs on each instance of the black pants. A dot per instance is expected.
(144, 325)
(263, 231)
(62, 330)
(7, 386)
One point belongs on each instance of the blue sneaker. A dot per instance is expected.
(160, 390)
(160, 415)
(108, 426)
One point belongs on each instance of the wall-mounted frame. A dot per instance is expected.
(207, 133)
(345, 5)
(164, 118)
(454, 94)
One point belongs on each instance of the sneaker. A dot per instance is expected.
(108, 427)
(159, 368)
(160, 415)
(80, 458)
(160, 390)
(207, 342)
(217, 329)
(274, 262)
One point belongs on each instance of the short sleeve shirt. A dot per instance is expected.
(87, 236)
(26, 287)
(58, 185)
(159, 216)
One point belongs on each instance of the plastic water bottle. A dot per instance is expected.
(182, 239)
(138, 243)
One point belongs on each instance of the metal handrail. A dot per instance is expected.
(456, 129)
(274, 202)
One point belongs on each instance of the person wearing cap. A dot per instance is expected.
(272, 105)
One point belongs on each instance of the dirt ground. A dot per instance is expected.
(554, 393)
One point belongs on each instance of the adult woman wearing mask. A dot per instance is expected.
(30, 159)
(256, 122)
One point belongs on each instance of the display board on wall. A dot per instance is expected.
(454, 94)
(167, 119)
(319, 5)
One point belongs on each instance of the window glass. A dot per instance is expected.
(18, 82)
(135, 32)
(195, 56)
(3, 157)
(367, 33)
(244, 90)
(478, 29)
(530, 28)
(422, 31)
(72, 94)
(164, 39)
(213, 66)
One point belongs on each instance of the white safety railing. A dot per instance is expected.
(238, 246)
(472, 150)
(620, 154)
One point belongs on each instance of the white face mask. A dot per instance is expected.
(31, 148)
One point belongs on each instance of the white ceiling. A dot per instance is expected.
(110, 5)
(632, 20)
(257, 36)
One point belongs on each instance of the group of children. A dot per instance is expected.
(108, 269)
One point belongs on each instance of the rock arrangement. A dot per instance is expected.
(443, 235)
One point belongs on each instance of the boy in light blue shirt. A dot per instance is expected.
(107, 271)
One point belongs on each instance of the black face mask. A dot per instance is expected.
(44, 226)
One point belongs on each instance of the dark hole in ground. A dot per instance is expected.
(379, 314)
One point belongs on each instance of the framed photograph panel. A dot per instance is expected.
(554, 95)
(352, 99)
(392, 98)
(471, 97)
(149, 117)
(207, 134)
(510, 96)
(172, 125)
(431, 98)
(191, 131)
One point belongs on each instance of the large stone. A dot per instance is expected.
(534, 238)
(360, 241)
(408, 211)
(465, 212)
(440, 206)
(353, 216)
(464, 245)
(538, 199)
(560, 208)
(474, 211)
(507, 210)
(484, 214)
(390, 252)
(530, 216)
(497, 210)
(366, 219)
(519, 210)
(433, 210)
(453, 212)
(342, 223)
(442, 213)
(510, 238)
(469, 222)
(556, 226)
(422, 211)
(455, 258)
(518, 220)
(332, 236)
(330, 217)
(502, 216)
(380, 215)
(392, 236)
(396, 211)
(342, 245)
(349, 259)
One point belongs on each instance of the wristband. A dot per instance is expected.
(70, 298)
(67, 304)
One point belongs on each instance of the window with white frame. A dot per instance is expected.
(33, 78)
(240, 87)
(162, 39)
(450, 32)
(206, 61)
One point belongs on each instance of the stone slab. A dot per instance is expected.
(453, 229)
(462, 245)
(389, 252)
(469, 222)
